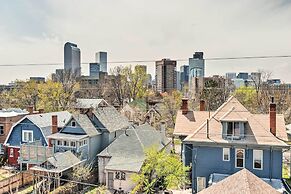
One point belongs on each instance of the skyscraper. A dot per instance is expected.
(72, 59)
(101, 58)
(166, 76)
(196, 66)
(94, 69)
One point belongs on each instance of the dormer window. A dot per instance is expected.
(233, 129)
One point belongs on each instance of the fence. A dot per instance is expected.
(16, 181)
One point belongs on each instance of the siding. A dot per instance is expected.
(73, 130)
(15, 138)
(209, 160)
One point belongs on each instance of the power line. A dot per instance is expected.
(152, 60)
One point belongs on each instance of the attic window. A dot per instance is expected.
(73, 123)
(233, 129)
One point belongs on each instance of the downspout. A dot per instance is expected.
(194, 156)
(271, 163)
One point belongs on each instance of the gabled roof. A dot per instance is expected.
(110, 119)
(257, 131)
(44, 121)
(12, 112)
(241, 182)
(86, 124)
(89, 103)
(127, 151)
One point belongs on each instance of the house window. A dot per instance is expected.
(258, 159)
(81, 143)
(59, 142)
(73, 144)
(66, 143)
(1, 129)
(239, 158)
(226, 154)
(120, 175)
(233, 129)
(11, 153)
(85, 142)
(201, 183)
(27, 136)
(1, 148)
(73, 123)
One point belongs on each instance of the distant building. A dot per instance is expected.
(94, 69)
(72, 59)
(101, 58)
(238, 82)
(184, 76)
(166, 78)
(230, 75)
(37, 79)
(243, 75)
(179, 84)
(196, 66)
(274, 81)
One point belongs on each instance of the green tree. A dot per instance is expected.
(247, 96)
(160, 170)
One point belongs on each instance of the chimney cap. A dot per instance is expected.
(272, 99)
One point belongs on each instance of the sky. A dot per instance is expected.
(35, 32)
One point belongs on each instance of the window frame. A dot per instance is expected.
(223, 153)
(2, 126)
(262, 159)
(198, 185)
(11, 153)
(244, 157)
(233, 134)
(72, 124)
(23, 136)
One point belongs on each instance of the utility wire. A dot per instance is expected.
(148, 61)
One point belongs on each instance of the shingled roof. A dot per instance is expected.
(243, 182)
(257, 131)
(127, 151)
(86, 124)
(110, 119)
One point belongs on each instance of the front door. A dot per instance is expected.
(110, 180)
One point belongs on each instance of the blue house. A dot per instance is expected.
(31, 128)
(87, 133)
(230, 139)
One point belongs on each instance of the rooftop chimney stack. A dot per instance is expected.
(30, 110)
(41, 111)
(184, 106)
(273, 117)
(54, 124)
(202, 105)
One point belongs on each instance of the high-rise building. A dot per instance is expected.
(243, 75)
(196, 66)
(101, 58)
(72, 59)
(166, 76)
(94, 69)
(184, 69)
(230, 75)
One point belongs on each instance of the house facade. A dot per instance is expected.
(7, 119)
(231, 139)
(36, 127)
(125, 156)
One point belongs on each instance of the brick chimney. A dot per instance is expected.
(41, 111)
(54, 124)
(30, 110)
(184, 106)
(272, 114)
(202, 105)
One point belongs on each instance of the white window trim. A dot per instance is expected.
(244, 158)
(72, 124)
(262, 160)
(204, 183)
(27, 131)
(223, 152)
(233, 130)
(11, 153)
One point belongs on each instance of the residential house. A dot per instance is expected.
(125, 156)
(84, 104)
(31, 128)
(80, 136)
(87, 134)
(7, 118)
(232, 138)
(243, 182)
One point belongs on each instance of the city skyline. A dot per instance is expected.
(38, 36)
